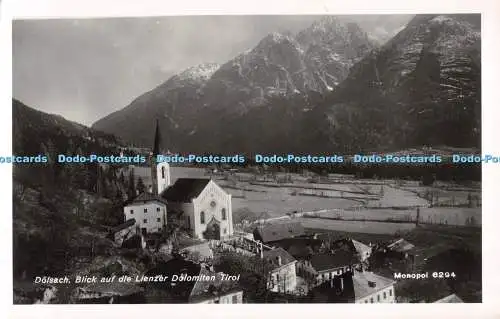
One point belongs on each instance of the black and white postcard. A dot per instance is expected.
(248, 159)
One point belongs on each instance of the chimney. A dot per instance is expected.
(261, 251)
(279, 260)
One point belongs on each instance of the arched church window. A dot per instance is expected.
(202, 217)
(163, 172)
(223, 214)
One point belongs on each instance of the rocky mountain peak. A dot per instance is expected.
(200, 72)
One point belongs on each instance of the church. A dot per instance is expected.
(205, 208)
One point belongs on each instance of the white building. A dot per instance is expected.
(372, 288)
(282, 277)
(206, 207)
(149, 212)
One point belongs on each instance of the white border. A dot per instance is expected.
(99, 8)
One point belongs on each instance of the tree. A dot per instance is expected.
(140, 186)
(131, 192)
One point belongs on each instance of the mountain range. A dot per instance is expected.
(328, 88)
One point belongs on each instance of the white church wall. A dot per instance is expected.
(213, 194)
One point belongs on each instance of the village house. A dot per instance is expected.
(356, 287)
(149, 212)
(206, 207)
(270, 233)
(323, 267)
(402, 249)
(372, 288)
(282, 275)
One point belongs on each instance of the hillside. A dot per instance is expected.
(60, 212)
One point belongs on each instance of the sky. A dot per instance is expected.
(84, 69)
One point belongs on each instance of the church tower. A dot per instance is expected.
(160, 172)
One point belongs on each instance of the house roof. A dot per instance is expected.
(366, 283)
(275, 232)
(450, 299)
(125, 225)
(299, 248)
(401, 246)
(360, 247)
(272, 257)
(205, 289)
(148, 197)
(185, 189)
(326, 261)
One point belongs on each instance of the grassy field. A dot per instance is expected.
(355, 226)
(346, 197)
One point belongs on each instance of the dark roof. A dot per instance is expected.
(272, 257)
(299, 248)
(126, 224)
(340, 289)
(178, 291)
(326, 261)
(147, 197)
(185, 189)
(274, 232)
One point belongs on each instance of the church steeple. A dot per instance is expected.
(156, 151)
(157, 141)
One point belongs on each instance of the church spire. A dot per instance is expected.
(158, 141)
(156, 151)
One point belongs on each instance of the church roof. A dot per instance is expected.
(185, 189)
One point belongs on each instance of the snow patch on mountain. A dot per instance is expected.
(200, 72)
